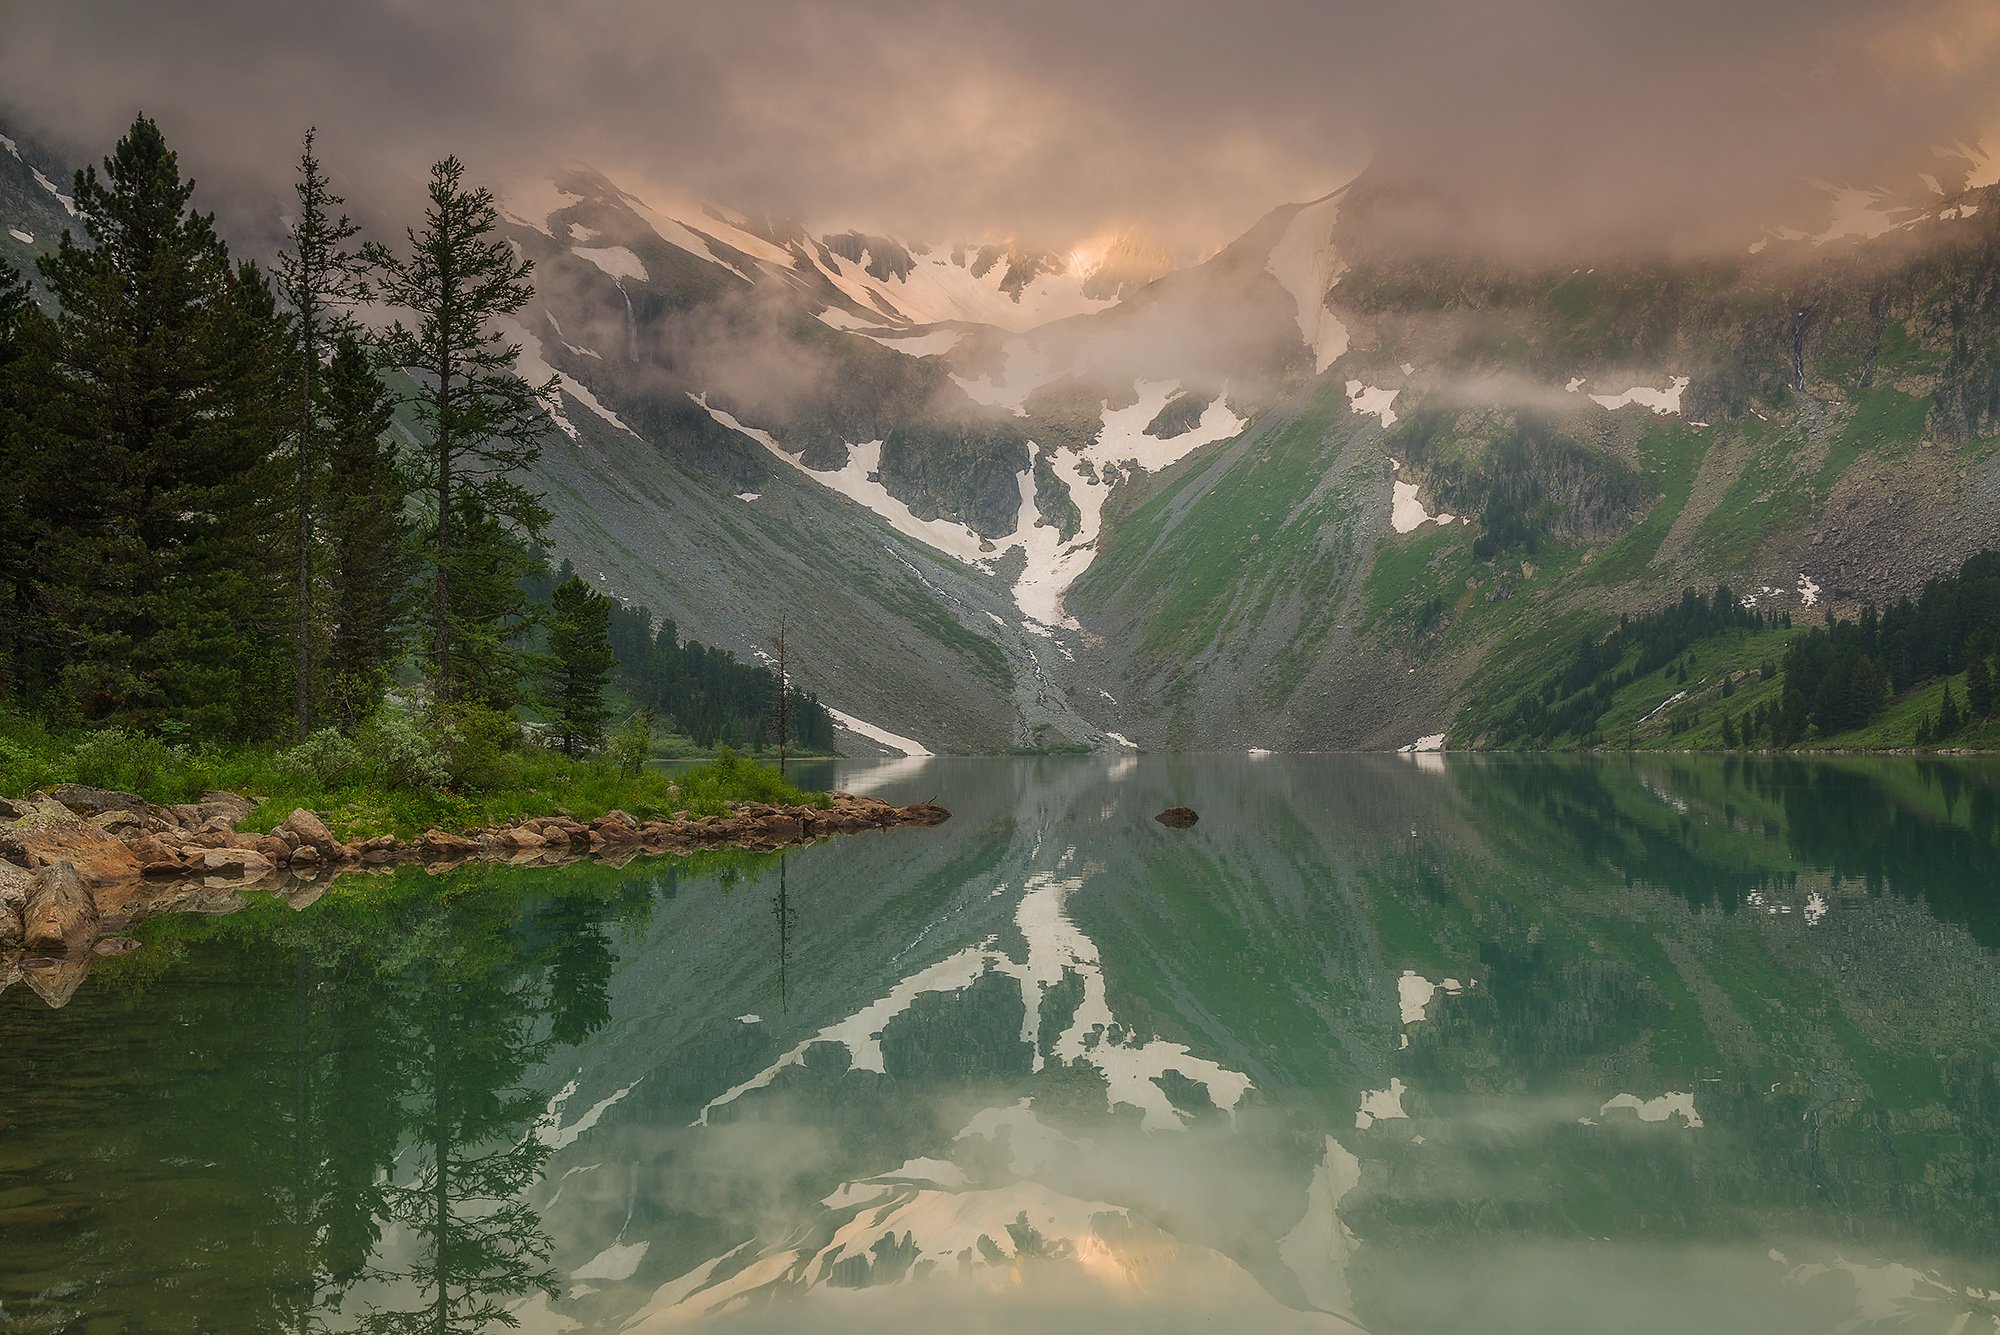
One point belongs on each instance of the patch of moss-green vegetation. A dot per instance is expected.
(1233, 536)
(1886, 421)
(1765, 498)
(1671, 455)
(1410, 571)
(471, 771)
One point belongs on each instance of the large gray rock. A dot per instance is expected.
(61, 915)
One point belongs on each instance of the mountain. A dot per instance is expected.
(1344, 483)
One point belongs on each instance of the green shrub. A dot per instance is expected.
(326, 759)
(406, 752)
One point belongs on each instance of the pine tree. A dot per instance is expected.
(1979, 685)
(320, 279)
(365, 537)
(26, 500)
(158, 391)
(580, 661)
(481, 423)
(1728, 733)
(491, 611)
(1947, 717)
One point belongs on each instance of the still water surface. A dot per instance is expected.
(1466, 1045)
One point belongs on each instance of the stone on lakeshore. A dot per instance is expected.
(274, 849)
(232, 807)
(304, 829)
(925, 813)
(48, 832)
(118, 824)
(438, 846)
(87, 801)
(156, 856)
(60, 915)
(305, 855)
(14, 883)
(235, 862)
(1177, 818)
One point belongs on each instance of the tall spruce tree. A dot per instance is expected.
(481, 423)
(365, 536)
(321, 280)
(579, 664)
(27, 500)
(160, 417)
(493, 614)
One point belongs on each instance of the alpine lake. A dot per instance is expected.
(1387, 1043)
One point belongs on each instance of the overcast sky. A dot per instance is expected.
(1047, 121)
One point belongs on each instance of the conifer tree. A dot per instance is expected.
(579, 664)
(321, 279)
(1979, 684)
(1947, 717)
(158, 392)
(480, 422)
(22, 497)
(365, 536)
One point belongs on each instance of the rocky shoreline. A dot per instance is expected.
(78, 864)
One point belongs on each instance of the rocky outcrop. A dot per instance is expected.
(47, 832)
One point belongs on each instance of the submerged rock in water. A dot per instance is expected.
(1177, 818)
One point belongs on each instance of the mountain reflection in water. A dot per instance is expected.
(1521, 1045)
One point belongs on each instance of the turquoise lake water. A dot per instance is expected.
(1387, 1043)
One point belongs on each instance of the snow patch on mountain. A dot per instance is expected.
(859, 480)
(1123, 438)
(617, 261)
(25, 238)
(1305, 262)
(942, 286)
(1663, 402)
(894, 741)
(933, 344)
(1406, 512)
(535, 369)
(1372, 399)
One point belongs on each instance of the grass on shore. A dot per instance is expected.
(392, 776)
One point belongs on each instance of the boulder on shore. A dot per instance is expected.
(1177, 818)
(87, 801)
(304, 829)
(14, 883)
(48, 832)
(235, 862)
(61, 916)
